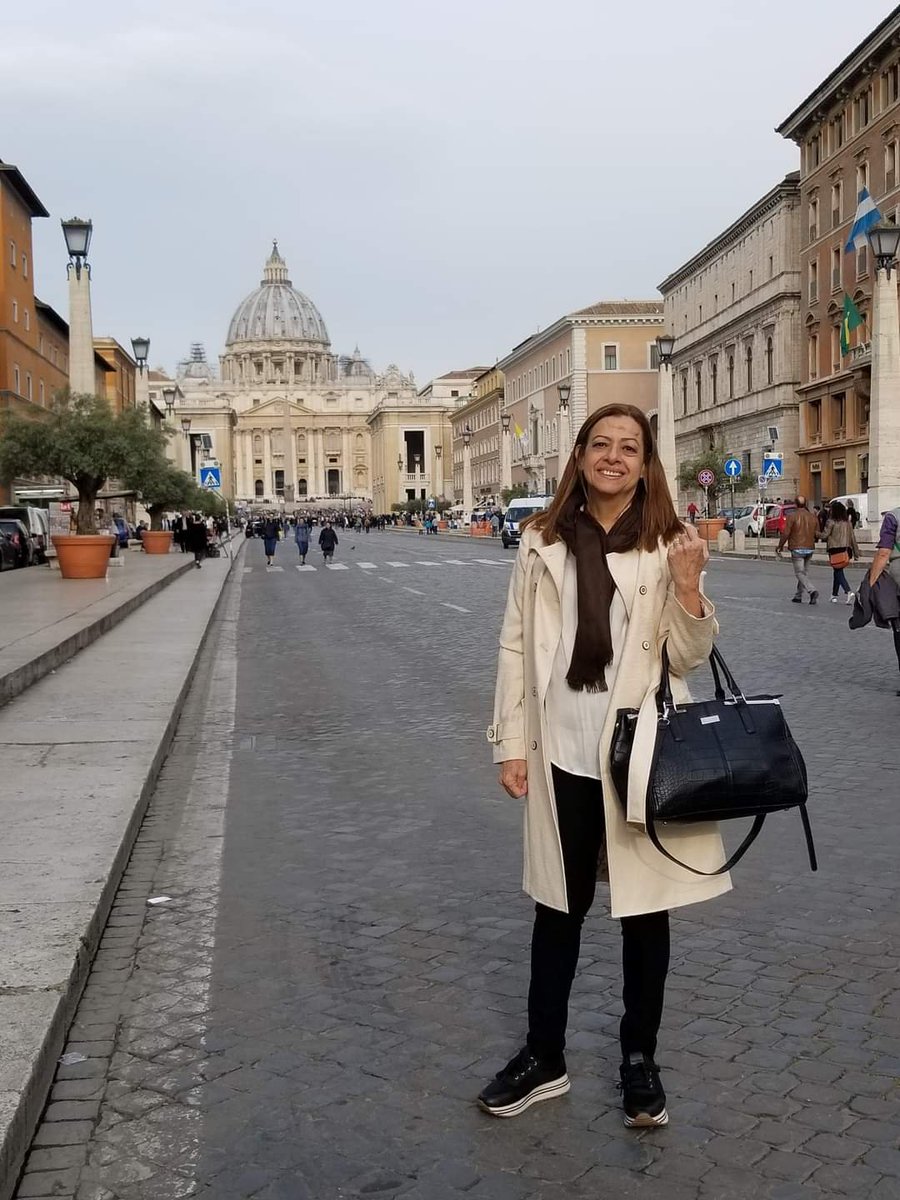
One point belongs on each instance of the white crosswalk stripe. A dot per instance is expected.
(367, 566)
(272, 570)
(306, 567)
(399, 564)
(428, 562)
(337, 567)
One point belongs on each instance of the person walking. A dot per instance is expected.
(692, 511)
(887, 563)
(603, 579)
(270, 539)
(301, 537)
(852, 514)
(840, 542)
(328, 539)
(196, 539)
(799, 535)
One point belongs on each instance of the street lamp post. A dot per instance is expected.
(140, 347)
(665, 413)
(437, 483)
(186, 430)
(565, 433)
(468, 498)
(82, 377)
(884, 411)
(505, 453)
(168, 395)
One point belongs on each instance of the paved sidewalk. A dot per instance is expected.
(81, 750)
(46, 619)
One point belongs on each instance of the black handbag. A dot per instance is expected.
(715, 760)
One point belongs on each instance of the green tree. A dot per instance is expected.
(163, 488)
(517, 492)
(82, 440)
(712, 460)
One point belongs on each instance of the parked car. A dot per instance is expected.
(36, 521)
(8, 552)
(21, 540)
(747, 519)
(776, 518)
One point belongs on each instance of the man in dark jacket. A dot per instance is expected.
(800, 534)
(195, 538)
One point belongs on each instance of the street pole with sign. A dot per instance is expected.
(706, 479)
(733, 468)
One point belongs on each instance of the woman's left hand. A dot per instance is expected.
(688, 555)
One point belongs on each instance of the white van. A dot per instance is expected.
(518, 510)
(860, 503)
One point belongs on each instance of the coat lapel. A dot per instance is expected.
(554, 557)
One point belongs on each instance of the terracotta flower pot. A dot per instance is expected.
(156, 541)
(83, 555)
(709, 528)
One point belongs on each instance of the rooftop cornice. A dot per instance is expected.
(788, 188)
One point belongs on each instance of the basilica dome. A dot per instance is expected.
(276, 311)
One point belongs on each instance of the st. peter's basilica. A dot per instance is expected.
(290, 421)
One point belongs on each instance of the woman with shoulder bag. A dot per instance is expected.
(840, 542)
(603, 578)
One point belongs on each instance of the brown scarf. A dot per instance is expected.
(590, 544)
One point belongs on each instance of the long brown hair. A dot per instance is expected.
(659, 519)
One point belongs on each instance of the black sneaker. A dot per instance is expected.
(524, 1081)
(813, 597)
(796, 599)
(642, 1092)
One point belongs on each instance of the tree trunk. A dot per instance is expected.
(86, 521)
(156, 517)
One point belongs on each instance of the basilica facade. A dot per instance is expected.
(288, 419)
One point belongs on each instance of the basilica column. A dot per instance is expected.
(347, 463)
(290, 457)
(323, 465)
(268, 471)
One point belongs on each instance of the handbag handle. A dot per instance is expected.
(755, 830)
(664, 699)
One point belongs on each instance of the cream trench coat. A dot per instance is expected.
(641, 879)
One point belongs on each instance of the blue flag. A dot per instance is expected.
(867, 215)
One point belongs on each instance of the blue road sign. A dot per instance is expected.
(773, 466)
(733, 467)
(211, 477)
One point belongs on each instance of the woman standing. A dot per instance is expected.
(327, 541)
(603, 578)
(842, 547)
(301, 537)
(270, 539)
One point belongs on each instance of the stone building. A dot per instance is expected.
(848, 133)
(480, 417)
(287, 418)
(734, 309)
(603, 353)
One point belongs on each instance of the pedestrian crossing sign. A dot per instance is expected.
(211, 477)
(773, 466)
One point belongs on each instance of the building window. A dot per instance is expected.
(862, 262)
(812, 154)
(890, 85)
(25, 266)
(749, 368)
(837, 132)
(610, 358)
(771, 265)
(41, 395)
(836, 349)
(862, 177)
(714, 379)
(838, 415)
(12, 254)
(813, 220)
(698, 387)
(28, 387)
(862, 109)
(837, 201)
(836, 269)
(730, 376)
(258, 489)
(813, 281)
(770, 361)
(15, 311)
(27, 316)
(890, 166)
(813, 350)
(684, 387)
(17, 383)
(654, 356)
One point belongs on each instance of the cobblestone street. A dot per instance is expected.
(337, 958)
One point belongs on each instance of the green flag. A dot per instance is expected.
(852, 319)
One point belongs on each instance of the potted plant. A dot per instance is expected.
(80, 439)
(163, 487)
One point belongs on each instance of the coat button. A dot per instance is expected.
(534, 691)
(642, 589)
(534, 586)
(534, 745)
(645, 645)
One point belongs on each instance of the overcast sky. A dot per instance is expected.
(442, 178)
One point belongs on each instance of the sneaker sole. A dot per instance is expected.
(646, 1121)
(547, 1091)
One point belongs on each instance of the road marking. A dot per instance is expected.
(384, 579)
(491, 562)
(247, 570)
(429, 562)
(269, 570)
(458, 562)
(306, 567)
(367, 566)
(398, 564)
(337, 566)
(414, 592)
(455, 607)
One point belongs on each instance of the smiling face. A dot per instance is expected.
(613, 459)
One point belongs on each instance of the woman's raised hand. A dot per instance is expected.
(688, 555)
(514, 777)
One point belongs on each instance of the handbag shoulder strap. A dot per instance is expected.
(755, 831)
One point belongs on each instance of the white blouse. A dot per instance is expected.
(575, 719)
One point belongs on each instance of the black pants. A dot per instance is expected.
(556, 939)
